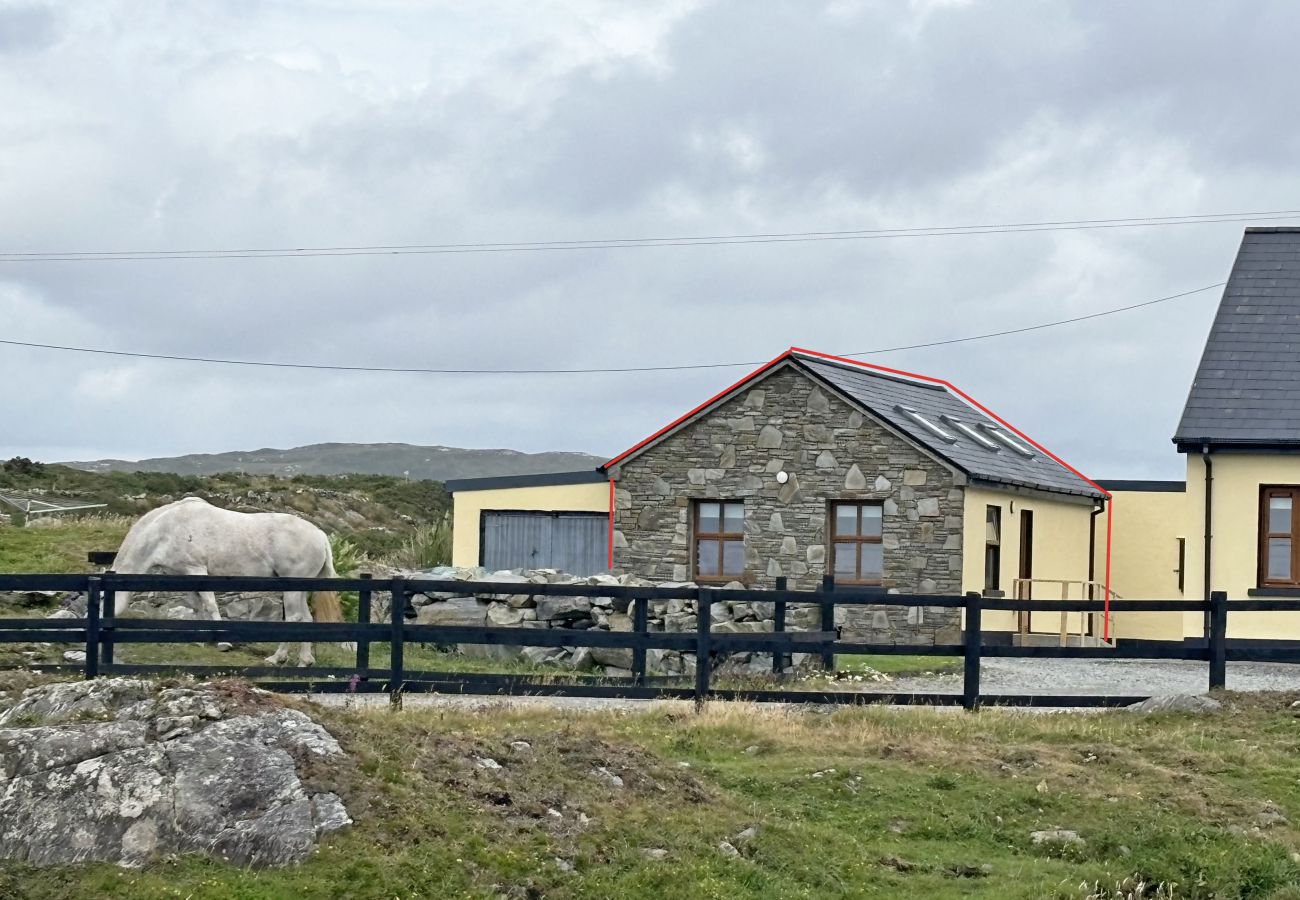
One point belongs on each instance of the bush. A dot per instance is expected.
(21, 465)
(427, 546)
(348, 560)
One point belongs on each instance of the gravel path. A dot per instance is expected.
(999, 676)
(1137, 677)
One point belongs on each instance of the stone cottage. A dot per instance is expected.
(889, 482)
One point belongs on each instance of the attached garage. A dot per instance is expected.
(552, 521)
(572, 542)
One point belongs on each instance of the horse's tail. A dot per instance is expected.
(325, 606)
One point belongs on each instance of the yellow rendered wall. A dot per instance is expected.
(467, 506)
(1060, 549)
(1235, 531)
(1145, 527)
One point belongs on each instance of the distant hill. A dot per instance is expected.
(409, 460)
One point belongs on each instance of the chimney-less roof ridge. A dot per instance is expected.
(867, 369)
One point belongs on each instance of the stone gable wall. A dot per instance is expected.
(787, 422)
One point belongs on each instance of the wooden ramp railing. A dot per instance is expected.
(1090, 624)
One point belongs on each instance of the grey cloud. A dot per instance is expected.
(27, 28)
(327, 130)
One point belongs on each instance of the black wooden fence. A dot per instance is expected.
(100, 631)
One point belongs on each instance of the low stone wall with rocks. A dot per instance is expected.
(245, 606)
(526, 610)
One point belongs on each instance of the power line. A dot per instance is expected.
(595, 371)
(645, 242)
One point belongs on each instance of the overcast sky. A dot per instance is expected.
(168, 125)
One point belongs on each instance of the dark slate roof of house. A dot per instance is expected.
(887, 397)
(1247, 387)
(1142, 485)
(543, 479)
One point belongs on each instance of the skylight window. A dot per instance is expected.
(1000, 435)
(985, 442)
(926, 424)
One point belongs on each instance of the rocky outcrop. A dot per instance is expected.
(120, 770)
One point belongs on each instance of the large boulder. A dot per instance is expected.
(163, 771)
(552, 609)
(463, 611)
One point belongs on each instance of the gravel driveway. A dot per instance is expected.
(1126, 677)
(1104, 676)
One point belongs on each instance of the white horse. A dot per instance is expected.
(192, 537)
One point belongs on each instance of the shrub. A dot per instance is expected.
(348, 560)
(348, 557)
(21, 465)
(427, 546)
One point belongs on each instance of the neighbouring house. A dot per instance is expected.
(812, 466)
(1234, 524)
(552, 521)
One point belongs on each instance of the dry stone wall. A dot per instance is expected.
(830, 451)
(525, 610)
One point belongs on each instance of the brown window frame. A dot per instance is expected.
(993, 577)
(718, 537)
(1266, 492)
(1026, 562)
(856, 539)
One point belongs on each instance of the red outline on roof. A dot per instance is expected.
(946, 384)
(965, 396)
(680, 419)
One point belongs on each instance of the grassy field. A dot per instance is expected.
(899, 665)
(864, 802)
(61, 549)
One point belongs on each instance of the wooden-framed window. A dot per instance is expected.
(1279, 536)
(993, 548)
(718, 543)
(857, 555)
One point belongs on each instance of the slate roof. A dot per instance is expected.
(886, 396)
(1247, 387)
(882, 395)
(542, 479)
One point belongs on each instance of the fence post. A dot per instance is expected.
(1218, 639)
(640, 624)
(109, 599)
(828, 621)
(92, 627)
(363, 620)
(396, 677)
(703, 636)
(778, 627)
(970, 693)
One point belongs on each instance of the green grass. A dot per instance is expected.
(60, 549)
(900, 665)
(421, 657)
(859, 803)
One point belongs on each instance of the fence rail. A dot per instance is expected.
(101, 631)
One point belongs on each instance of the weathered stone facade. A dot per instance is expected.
(830, 451)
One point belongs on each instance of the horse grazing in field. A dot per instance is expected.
(192, 537)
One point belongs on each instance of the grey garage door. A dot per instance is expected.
(572, 542)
